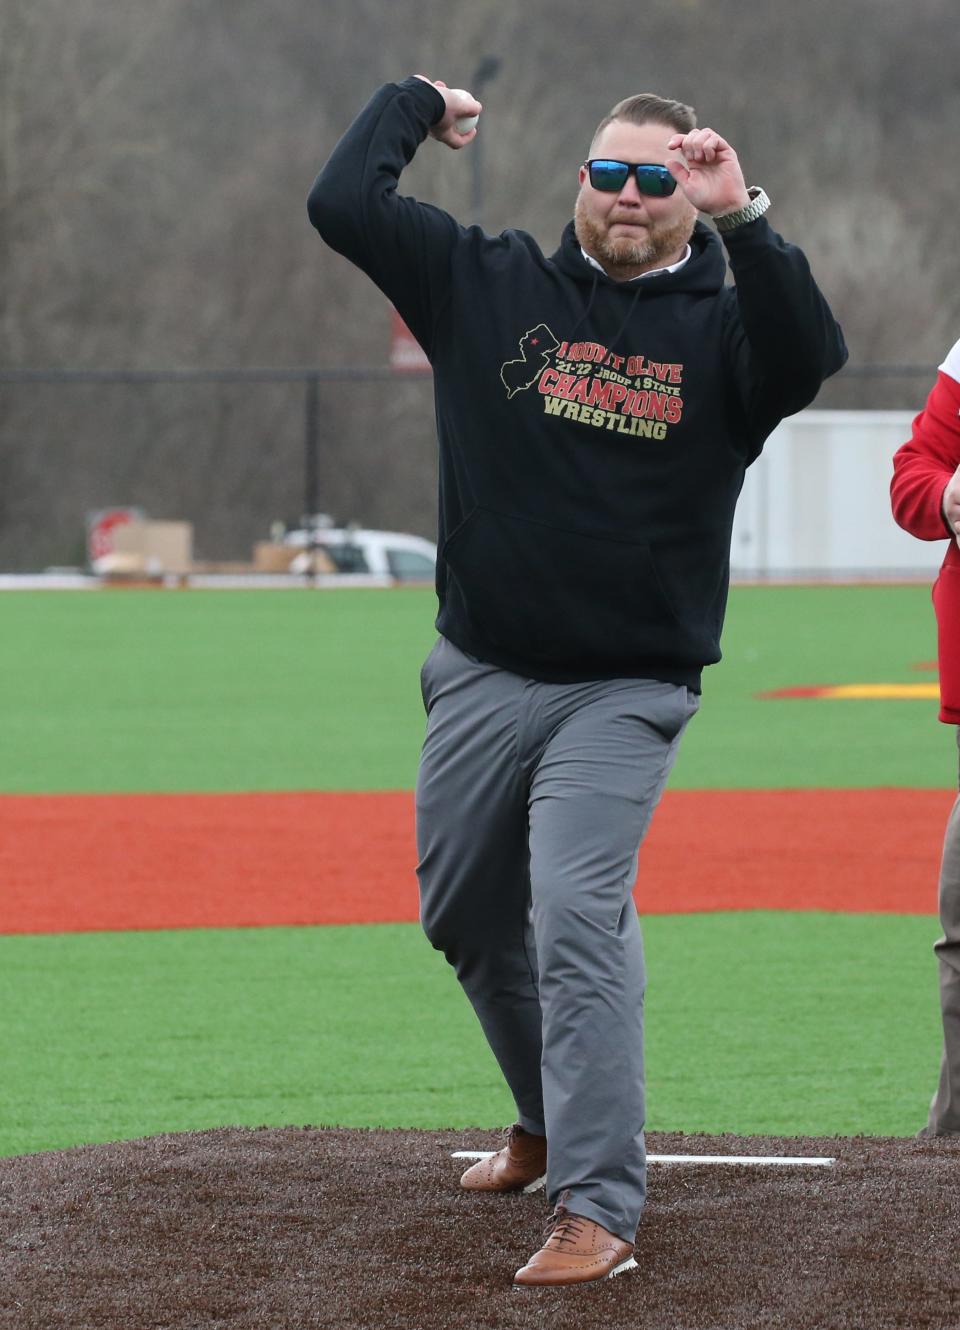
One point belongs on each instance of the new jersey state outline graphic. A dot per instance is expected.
(536, 347)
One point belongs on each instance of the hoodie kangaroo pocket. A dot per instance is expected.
(564, 598)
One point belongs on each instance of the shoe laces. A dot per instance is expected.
(563, 1226)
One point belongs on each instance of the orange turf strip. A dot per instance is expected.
(71, 863)
(845, 692)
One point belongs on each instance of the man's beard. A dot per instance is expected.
(626, 254)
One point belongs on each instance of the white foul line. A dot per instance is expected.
(795, 1161)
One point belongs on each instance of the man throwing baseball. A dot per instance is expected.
(596, 410)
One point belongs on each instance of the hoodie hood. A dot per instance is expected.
(703, 273)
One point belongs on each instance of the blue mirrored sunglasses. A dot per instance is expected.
(611, 176)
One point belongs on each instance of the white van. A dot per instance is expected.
(390, 554)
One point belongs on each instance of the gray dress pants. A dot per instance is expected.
(944, 1116)
(532, 801)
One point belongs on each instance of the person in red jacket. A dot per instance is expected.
(926, 502)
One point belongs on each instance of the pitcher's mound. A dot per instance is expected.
(300, 1227)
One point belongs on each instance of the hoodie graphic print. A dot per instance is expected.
(587, 382)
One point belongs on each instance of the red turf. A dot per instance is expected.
(73, 863)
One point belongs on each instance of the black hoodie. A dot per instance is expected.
(593, 433)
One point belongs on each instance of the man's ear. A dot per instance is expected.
(582, 174)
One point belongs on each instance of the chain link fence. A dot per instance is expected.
(237, 451)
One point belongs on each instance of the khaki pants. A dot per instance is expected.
(945, 1107)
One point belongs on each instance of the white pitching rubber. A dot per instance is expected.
(791, 1161)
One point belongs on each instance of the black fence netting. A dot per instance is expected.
(237, 452)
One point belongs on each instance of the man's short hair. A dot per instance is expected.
(646, 108)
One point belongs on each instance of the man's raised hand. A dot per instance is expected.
(459, 104)
(709, 174)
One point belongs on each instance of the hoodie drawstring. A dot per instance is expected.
(589, 306)
(620, 331)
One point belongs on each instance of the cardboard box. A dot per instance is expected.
(157, 547)
(233, 567)
(270, 557)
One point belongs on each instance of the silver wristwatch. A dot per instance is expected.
(758, 205)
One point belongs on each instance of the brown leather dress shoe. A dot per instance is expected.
(576, 1251)
(521, 1163)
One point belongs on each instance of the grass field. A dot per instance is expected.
(776, 1023)
(208, 690)
(783, 1024)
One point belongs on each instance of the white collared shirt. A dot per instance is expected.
(654, 272)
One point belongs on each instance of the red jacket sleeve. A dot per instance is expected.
(922, 467)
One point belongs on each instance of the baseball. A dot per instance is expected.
(464, 123)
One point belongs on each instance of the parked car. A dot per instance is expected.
(356, 550)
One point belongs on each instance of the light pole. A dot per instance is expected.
(485, 72)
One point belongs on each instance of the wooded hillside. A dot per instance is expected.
(155, 159)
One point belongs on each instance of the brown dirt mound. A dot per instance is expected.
(336, 1228)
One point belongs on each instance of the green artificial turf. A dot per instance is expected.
(784, 637)
(266, 690)
(768, 1023)
(208, 690)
